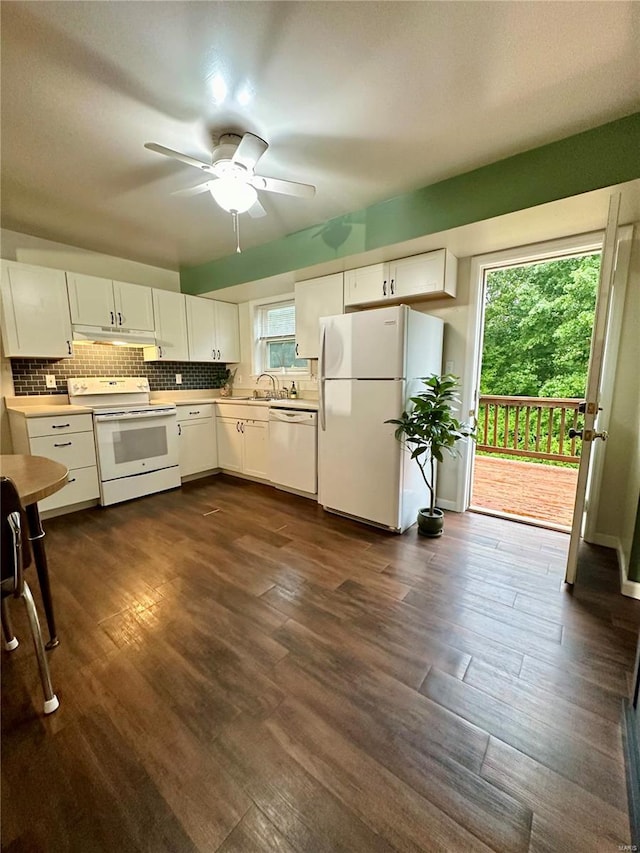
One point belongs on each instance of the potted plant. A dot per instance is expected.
(428, 430)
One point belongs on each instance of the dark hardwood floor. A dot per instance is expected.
(239, 671)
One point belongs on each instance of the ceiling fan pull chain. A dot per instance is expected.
(236, 228)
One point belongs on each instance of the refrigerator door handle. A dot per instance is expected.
(323, 422)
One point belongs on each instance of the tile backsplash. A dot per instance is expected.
(104, 360)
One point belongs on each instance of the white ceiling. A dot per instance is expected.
(365, 100)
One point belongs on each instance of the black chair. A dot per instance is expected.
(16, 556)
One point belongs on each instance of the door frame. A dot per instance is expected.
(536, 252)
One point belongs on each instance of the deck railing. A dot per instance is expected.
(534, 427)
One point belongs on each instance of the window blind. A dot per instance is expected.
(278, 321)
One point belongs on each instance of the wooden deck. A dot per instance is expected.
(240, 672)
(527, 489)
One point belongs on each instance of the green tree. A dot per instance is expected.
(538, 323)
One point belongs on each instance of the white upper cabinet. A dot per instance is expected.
(427, 276)
(431, 274)
(91, 300)
(201, 322)
(365, 285)
(171, 327)
(35, 316)
(227, 332)
(133, 306)
(213, 330)
(316, 298)
(102, 302)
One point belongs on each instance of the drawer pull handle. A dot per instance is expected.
(64, 444)
(72, 480)
(179, 430)
(195, 413)
(60, 426)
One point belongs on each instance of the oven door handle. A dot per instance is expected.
(135, 416)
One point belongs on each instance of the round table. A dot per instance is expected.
(35, 478)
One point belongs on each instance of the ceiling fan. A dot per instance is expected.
(232, 180)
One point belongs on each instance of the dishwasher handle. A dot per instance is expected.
(293, 417)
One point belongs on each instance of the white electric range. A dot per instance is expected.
(136, 440)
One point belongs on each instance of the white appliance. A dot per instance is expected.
(370, 364)
(136, 440)
(293, 449)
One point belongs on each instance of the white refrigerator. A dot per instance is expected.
(370, 364)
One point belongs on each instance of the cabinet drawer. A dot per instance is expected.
(76, 450)
(59, 425)
(81, 486)
(190, 413)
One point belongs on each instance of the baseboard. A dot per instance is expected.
(627, 587)
(632, 766)
(190, 477)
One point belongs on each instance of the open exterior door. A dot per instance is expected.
(590, 433)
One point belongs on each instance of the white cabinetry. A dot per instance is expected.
(171, 328)
(102, 302)
(197, 439)
(424, 276)
(243, 439)
(65, 438)
(35, 312)
(213, 330)
(316, 298)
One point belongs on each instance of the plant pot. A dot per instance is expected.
(430, 525)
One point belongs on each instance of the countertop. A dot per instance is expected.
(47, 411)
(305, 405)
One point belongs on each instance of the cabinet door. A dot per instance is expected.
(366, 284)
(197, 445)
(316, 298)
(229, 444)
(430, 274)
(227, 341)
(256, 448)
(36, 322)
(91, 300)
(201, 321)
(134, 306)
(171, 326)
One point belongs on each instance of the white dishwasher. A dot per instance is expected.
(293, 449)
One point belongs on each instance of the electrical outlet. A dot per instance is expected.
(178, 379)
(50, 380)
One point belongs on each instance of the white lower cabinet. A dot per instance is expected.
(243, 440)
(197, 443)
(68, 439)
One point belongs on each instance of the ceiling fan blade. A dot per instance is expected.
(249, 151)
(191, 191)
(176, 155)
(257, 211)
(273, 185)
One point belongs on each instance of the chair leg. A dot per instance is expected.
(51, 702)
(10, 639)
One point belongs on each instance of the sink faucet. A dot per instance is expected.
(273, 382)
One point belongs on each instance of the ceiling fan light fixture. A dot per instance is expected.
(233, 195)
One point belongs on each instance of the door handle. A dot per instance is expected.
(213, 354)
(384, 287)
(69, 348)
(119, 318)
(218, 355)
(237, 426)
(179, 430)
(113, 319)
(391, 286)
(297, 353)
(160, 351)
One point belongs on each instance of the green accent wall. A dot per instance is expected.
(601, 157)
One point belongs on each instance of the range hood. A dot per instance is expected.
(109, 335)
